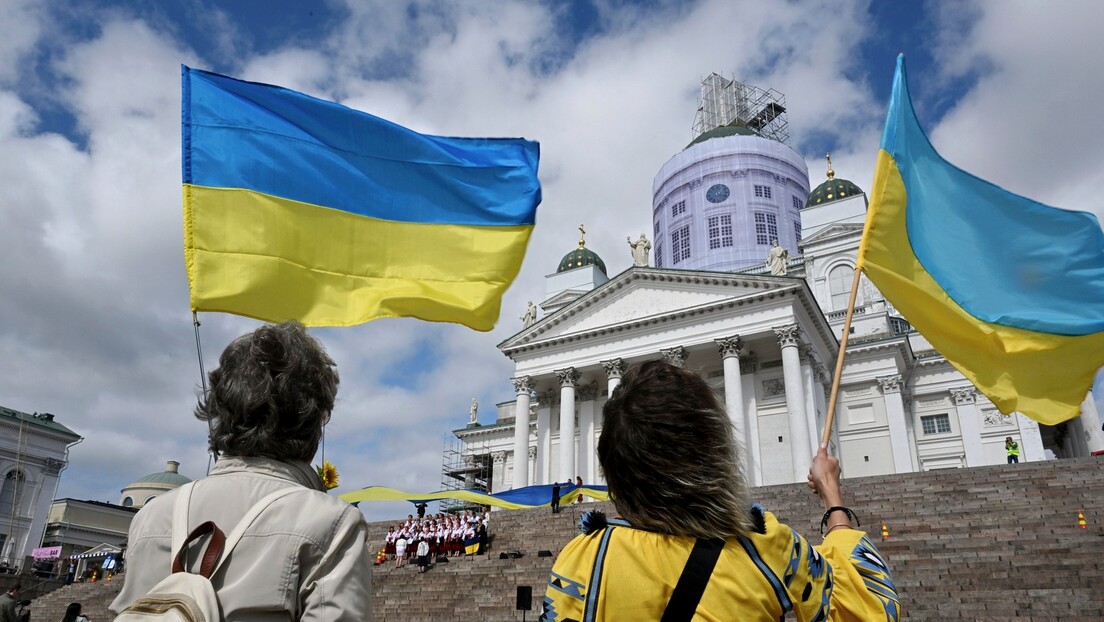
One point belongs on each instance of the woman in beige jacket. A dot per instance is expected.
(306, 555)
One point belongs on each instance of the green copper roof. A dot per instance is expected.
(720, 132)
(581, 257)
(38, 420)
(164, 477)
(832, 190)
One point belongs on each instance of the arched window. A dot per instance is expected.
(150, 499)
(128, 502)
(839, 286)
(11, 492)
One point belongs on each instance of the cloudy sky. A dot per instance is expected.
(94, 319)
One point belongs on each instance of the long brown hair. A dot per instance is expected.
(669, 455)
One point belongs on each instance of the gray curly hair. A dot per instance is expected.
(271, 395)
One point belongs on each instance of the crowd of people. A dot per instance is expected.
(443, 535)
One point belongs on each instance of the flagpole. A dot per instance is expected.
(827, 435)
(202, 377)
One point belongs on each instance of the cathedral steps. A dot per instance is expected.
(996, 543)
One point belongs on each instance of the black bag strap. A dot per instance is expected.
(695, 576)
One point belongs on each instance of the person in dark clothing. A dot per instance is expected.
(421, 510)
(8, 601)
(555, 497)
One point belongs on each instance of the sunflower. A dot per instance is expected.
(328, 474)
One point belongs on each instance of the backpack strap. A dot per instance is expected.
(220, 546)
(695, 577)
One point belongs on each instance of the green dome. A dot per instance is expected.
(833, 189)
(581, 257)
(720, 132)
(165, 477)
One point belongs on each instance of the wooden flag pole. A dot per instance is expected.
(827, 435)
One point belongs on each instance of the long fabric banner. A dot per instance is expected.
(299, 208)
(1009, 290)
(517, 499)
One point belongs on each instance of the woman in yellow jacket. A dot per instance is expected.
(688, 544)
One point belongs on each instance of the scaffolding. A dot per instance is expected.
(464, 467)
(726, 102)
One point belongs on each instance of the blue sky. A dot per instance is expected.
(94, 320)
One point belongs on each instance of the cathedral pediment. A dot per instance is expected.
(643, 294)
(833, 232)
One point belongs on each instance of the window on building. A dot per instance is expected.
(936, 424)
(797, 231)
(798, 203)
(655, 230)
(839, 285)
(150, 499)
(762, 192)
(128, 502)
(678, 209)
(659, 255)
(766, 228)
(720, 231)
(680, 244)
(11, 492)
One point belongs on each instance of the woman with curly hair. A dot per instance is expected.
(688, 543)
(305, 556)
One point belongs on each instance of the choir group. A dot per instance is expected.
(425, 538)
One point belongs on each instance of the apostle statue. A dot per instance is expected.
(474, 411)
(530, 316)
(777, 259)
(640, 250)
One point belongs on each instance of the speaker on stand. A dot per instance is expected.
(524, 599)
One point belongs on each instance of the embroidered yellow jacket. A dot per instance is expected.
(620, 573)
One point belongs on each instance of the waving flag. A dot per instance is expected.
(299, 208)
(1009, 290)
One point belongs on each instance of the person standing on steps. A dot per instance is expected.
(555, 497)
(1013, 450)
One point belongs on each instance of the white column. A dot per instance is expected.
(795, 402)
(675, 356)
(614, 370)
(895, 417)
(522, 387)
(729, 348)
(568, 377)
(498, 472)
(1031, 439)
(969, 424)
(751, 412)
(588, 450)
(543, 468)
(805, 354)
(1090, 416)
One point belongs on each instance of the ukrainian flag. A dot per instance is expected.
(298, 208)
(1009, 290)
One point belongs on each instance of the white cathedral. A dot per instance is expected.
(765, 337)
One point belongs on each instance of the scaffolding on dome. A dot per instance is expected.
(464, 467)
(726, 102)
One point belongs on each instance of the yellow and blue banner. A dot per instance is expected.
(517, 499)
(1009, 290)
(299, 208)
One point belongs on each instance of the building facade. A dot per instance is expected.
(34, 448)
(767, 343)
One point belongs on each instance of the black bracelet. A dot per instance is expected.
(838, 508)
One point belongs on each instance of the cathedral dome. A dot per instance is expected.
(581, 256)
(833, 189)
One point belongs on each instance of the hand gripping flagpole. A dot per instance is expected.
(827, 435)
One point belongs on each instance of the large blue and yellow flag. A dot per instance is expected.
(1009, 290)
(299, 208)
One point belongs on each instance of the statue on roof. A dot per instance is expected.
(530, 316)
(640, 250)
(474, 411)
(777, 258)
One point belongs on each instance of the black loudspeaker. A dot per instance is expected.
(504, 555)
(544, 553)
(524, 598)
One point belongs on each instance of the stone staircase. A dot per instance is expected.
(93, 597)
(989, 543)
